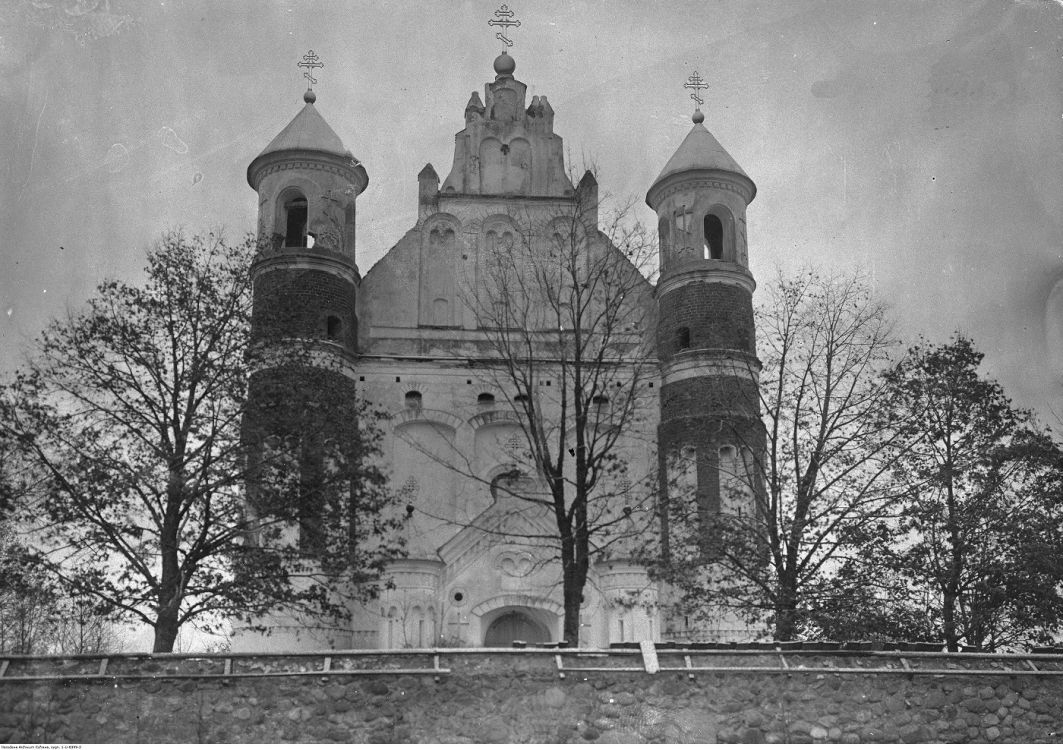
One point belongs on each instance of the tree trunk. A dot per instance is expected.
(948, 616)
(573, 593)
(171, 586)
(574, 564)
(166, 628)
(786, 609)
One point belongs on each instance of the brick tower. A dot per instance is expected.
(304, 328)
(710, 437)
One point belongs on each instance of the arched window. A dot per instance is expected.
(413, 399)
(333, 328)
(663, 233)
(682, 338)
(415, 634)
(600, 401)
(295, 210)
(485, 400)
(713, 237)
(440, 311)
(520, 398)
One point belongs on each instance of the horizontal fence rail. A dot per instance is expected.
(438, 663)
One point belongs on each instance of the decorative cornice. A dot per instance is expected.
(710, 363)
(305, 259)
(278, 161)
(706, 272)
(701, 179)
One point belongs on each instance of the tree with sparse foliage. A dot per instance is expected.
(979, 531)
(823, 342)
(563, 308)
(130, 413)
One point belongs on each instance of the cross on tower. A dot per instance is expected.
(310, 61)
(505, 19)
(697, 83)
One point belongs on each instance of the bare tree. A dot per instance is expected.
(823, 342)
(564, 312)
(131, 412)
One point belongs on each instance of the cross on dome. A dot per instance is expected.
(697, 83)
(504, 18)
(310, 61)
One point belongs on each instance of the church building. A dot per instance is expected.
(413, 337)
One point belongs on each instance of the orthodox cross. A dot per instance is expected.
(697, 83)
(505, 19)
(310, 61)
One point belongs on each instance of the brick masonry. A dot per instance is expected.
(515, 696)
(298, 302)
(719, 316)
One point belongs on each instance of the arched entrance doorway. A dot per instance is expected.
(515, 625)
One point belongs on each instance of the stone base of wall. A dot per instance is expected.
(514, 696)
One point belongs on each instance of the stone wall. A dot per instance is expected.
(523, 696)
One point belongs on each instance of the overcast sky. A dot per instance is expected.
(921, 141)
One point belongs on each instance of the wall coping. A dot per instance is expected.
(648, 658)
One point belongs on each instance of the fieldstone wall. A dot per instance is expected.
(522, 696)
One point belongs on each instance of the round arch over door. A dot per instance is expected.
(515, 625)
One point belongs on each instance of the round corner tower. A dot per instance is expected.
(710, 435)
(301, 396)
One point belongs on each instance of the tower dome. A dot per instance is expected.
(699, 152)
(307, 182)
(307, 133)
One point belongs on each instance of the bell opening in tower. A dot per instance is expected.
(713, 237)
(295, 211)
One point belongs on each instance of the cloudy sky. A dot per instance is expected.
(919, 141)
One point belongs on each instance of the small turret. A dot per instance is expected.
(307, 183)
(427, 192)
(474, 110)
(711, 439)
(700, 198)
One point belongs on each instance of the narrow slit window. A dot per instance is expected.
(333, 328)
(682, 338)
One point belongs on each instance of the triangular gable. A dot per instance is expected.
(505, 520)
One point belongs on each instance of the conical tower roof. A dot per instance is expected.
(700, 150)
(307, 131)
(307, 135)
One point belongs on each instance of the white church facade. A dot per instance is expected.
(481, 566)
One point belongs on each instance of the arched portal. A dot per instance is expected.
(516, 624)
